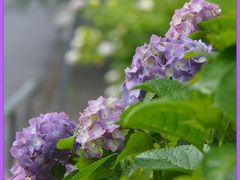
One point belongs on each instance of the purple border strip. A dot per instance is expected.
(238, 86)
(1, 89)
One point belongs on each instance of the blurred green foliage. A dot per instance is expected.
(126, 24)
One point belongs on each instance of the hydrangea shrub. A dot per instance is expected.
(185, 20)
(162, 58)
(35, 147)
(98, 129)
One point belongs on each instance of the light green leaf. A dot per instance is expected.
(209, 115)
(148, 97)
(183, 177)
(220, 34)
(166, 88)
(222, 40)
(219, 163)
(225, 94)
(208, 78)
(181, 158)
(137, 143)
(87, 171)
(194, 54)
(168, 116)
(219, 24)
(66, 143)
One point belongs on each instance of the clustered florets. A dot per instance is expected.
(162, 58)
(19, 173)
(185, 20)
(98, 129)
(35, 146)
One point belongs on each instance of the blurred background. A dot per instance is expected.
(61, 53)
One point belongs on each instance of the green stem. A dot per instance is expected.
(157, 175)
(223, 134)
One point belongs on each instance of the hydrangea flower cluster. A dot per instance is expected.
(162, 58)
(185, 20)
(19, 173)
(34, 147)
(98, 130)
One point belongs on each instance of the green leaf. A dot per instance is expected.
(208, 78)
(183, 177)
(225, 94)
(219, 163)
(181, 158)
(166, 88)
(208, 115)
(218, 24)
(194, 54)
(148, 97)
(80, 161)
(100, 173)
(58, 170)
(66, 143)
(168, 116)
(87, 171)
(220, 34)
(198, 35)
(137, 143)
(222, 40)
(71, 175)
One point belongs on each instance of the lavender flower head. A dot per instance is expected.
(98, 130)
(34, 147)
(19, 173)
(185, 20)
(162, 58)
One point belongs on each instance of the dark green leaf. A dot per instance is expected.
(87, 171)
(138, 142)
(71, 175)
(181, 158)
(81, 162)
(58, 170)
(198, 35)
(166, 88)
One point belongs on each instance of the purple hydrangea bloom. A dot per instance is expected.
(185, 20)
(35, 146)
(19, 173)
(162, 58)
(98, 129)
